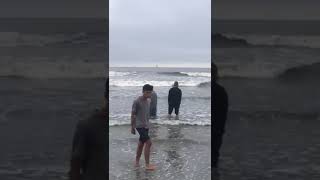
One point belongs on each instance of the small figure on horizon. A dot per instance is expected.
(174, 99)
(219, 111)
(140, 121)
(153, 105)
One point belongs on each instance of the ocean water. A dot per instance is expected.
(53, 48)
(125, 85)
(269, 73)
(46, 69)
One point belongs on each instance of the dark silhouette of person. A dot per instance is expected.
(89, 156)
(174, 99)
(219, 111)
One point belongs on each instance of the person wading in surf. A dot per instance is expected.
(174, 99)
(140, 121)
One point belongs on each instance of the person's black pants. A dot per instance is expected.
(144, 134)
(175, 107)
(217, 142)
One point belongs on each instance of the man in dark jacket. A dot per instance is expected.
(89, 156)
(174, 99)
(219, 111)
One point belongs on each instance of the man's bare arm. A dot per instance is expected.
(133, 123)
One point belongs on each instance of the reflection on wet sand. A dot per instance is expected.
(176, 161)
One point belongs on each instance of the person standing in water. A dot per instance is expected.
(153, 105)
(140, 122)
(220, 110)
(174, 99)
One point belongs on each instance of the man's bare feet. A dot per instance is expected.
(150, 167)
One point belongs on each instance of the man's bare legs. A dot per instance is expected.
(139, 152)
(147, 155)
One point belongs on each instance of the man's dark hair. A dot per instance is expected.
(147, 87)
(214, 69)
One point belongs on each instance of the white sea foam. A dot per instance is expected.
(198, 74)
(138, 83)
(116, 73)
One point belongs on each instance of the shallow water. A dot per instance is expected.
(178, 152)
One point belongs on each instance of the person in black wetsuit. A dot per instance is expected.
(219, 111)
(174, 99)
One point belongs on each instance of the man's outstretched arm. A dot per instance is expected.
(133, 123)
(133, 117)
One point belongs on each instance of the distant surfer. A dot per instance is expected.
(174, 99)
(219, 111)
(140, 121)
(153, 105)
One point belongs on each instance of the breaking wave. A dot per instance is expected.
(268, 70)
(53, 70)
(229, 40)
(116, 73)
(16, 39)
(205, 84)
(173, 73)
(224, 41)
(138, 83)
(309, 72)
(191, 74)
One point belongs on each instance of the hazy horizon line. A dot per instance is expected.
(156, 67)
(218, 19)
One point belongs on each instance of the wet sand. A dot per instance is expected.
(179, 152)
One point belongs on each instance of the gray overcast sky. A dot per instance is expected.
(162, 32)
(267, 9)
